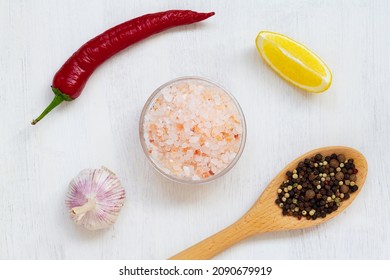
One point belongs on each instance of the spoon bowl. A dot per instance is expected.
(266, 216)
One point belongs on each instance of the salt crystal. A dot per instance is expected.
(225, 158)
(168, 97)
(185, 145)
(232, 156)
(186, 171)
(214, 147)
(155, 154)
(194, 139)
(195, 178)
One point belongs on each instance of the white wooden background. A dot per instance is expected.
(160, 217)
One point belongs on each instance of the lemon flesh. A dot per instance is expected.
(294, 62)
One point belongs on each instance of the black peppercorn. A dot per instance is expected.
(354, 188)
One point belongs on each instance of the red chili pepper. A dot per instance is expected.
(70, 80)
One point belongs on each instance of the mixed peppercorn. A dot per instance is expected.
(317, 186)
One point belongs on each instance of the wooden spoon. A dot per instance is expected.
(266, 216)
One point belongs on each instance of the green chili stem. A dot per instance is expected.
(56, 101)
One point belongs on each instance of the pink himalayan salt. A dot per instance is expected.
(192, 130)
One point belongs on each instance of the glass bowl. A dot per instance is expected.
(171, 156)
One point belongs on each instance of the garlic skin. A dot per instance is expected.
(95, 198)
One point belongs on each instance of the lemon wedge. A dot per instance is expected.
(294, 62)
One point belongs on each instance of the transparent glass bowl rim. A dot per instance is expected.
(150, 101)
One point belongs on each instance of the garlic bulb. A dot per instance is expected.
(95, 198)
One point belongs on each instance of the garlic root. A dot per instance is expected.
(81, 210)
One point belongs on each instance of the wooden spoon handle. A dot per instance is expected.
(216, 243)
